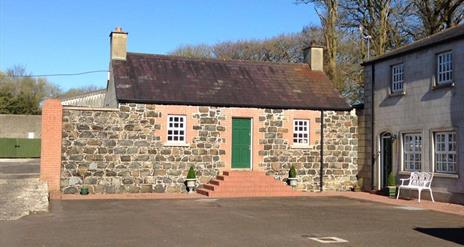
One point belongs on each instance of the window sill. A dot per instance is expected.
(396, 94)
(446, 175)
(176, 144)
(299, 146)
(435, 174)
(443, 85)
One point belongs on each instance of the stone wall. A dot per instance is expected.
(340, 152)
(123, 152)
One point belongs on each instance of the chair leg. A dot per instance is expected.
(398, 195)
(418, 198)
(431, 195)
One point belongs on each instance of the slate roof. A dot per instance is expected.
(449, 34)
(160, 79)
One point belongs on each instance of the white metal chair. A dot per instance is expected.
(417, 181)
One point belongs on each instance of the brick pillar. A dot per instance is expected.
(50, 156)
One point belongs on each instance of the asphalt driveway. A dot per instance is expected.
(232, 222)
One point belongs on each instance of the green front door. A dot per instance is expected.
(241, 143)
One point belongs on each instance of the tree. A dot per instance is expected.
(327, 11)
(437, 15)
(81, 90)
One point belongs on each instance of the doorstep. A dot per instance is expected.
(126, 196)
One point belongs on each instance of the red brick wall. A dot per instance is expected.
(50, 159)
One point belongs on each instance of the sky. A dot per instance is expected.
(58, 36)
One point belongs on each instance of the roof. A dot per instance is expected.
(89, 99)
(160, 79)
(449, 34)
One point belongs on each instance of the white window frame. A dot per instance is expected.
(397, 78)
(176, 132)
(445, 147)
(444, 67)
(301, 132)
(412, 156)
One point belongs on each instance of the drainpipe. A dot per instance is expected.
(372, 127)
(321, 171)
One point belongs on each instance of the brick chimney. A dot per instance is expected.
(314, 56)
(118, 44)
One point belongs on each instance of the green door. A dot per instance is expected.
(19, 148)
(241, 143)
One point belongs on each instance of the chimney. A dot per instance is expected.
(314, 56)
(118, 43)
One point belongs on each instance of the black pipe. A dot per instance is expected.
(372, 127)
(321, 171)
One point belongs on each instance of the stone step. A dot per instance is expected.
(244, 178)
(247, 194)
(243, 173)
(245, 184)
(256, 187)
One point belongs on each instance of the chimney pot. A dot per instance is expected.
(313, 55)
(118, 44)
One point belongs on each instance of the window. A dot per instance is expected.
(397, 78)
(445, 152)
(176, 128)
(444, 67)
(301, 131)
(412, 152)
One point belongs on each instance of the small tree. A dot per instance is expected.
(191, 173)
(292, 172)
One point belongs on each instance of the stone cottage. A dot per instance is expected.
(164, 114)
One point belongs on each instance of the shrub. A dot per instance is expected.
(191, 173)
(391, 180)
(292, 172)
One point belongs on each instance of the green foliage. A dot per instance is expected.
(391, 180)
(292, 172)
(191, 173)
(22, 94)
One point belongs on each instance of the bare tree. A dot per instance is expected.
(437, 15)
(327, 11)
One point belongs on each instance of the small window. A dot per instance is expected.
(445, 152)
(412, 152)
(176, 128)
(300, 131)
(444, 67)
(397, 79)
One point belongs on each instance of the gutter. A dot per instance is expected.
(186, 103)
(372, 126)
(321, 170)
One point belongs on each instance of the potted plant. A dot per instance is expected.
(292, 180)
(391, 185)
(82, 172)
(191, 179)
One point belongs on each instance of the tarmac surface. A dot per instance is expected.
(233, 222)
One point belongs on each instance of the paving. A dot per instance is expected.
(233, 222)
(21, 191)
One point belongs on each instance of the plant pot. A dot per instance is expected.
(191, 183)
(292, 182)
(391, 191)
(84, 191)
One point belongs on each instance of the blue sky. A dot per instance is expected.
(50, 37)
